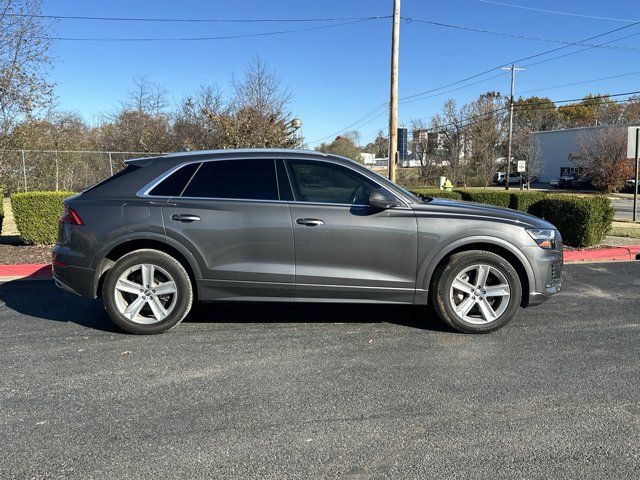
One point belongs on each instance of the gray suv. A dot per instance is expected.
(286, 225)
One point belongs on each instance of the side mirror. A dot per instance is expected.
(382, 200)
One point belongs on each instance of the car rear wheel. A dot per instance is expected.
(147, 291)
(477, 292)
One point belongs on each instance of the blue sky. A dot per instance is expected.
(338, 75)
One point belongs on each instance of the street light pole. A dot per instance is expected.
(393, 97)
(513, 69)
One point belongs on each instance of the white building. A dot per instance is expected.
(552, 151)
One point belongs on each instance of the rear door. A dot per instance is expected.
(231, 217)
(345, 249)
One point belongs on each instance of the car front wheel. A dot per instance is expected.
(477, 292)
(147, 291)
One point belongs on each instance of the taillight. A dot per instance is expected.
(71, 217)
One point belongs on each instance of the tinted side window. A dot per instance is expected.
(328, 183)
(127, 170)
(242, 179)
(172, 185)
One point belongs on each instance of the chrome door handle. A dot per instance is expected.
(309, 222)
(184, 217)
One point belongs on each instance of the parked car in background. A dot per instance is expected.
(286, 225)
(515, 178)
(575, 181)
(554, 183)
(498, 178)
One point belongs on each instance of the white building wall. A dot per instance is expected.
(553, 149)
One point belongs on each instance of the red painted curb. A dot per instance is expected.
(26, 271)
(614, 254)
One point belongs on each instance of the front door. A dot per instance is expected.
(231, 216)
(345, 249)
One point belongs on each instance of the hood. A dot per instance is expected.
(461, 209)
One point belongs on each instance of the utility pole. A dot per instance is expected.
(513, 69)
(393, 97)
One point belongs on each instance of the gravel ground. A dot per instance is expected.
(14, 254)
(324, 391)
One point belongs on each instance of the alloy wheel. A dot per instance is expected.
(480, 294)
(145, 294)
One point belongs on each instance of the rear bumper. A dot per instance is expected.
(77, 280)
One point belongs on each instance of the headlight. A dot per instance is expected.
(544, 237)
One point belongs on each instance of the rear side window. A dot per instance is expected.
(173, 185)
(241, 179)
(125, 171)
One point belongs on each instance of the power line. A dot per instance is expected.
(421, 95)
(223, 37)
(196, 20)
(580, 83)
(454, 89)
(581, 50)
(517, 35)
(529, 57)
(556, 12)
(528, 107)
(352, 125)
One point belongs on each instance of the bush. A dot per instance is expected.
(582, 221)
(435, 192)
(522, 200)
(36, 215)
(499, 198)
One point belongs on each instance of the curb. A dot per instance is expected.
(613, 254)
(25, 271)
(42, 271)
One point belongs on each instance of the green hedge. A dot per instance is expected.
(436, 192)
(499, 198)
(522, 200)
(582, 221)
(36, 215)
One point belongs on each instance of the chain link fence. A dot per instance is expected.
(72, 170)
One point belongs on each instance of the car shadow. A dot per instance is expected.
(42, 299)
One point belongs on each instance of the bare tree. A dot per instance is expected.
(422, 151)
(24, 42)
(257, 115)
(141, 124)
(192, 129)
(602, 156)
(485, 131)
(449, 131)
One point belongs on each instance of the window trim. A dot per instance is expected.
(144, 191)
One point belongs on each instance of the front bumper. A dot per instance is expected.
(547, 271)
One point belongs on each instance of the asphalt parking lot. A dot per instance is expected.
(314, 391)
(623, 207)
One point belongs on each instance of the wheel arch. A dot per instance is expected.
(156, 242)
(492, 244)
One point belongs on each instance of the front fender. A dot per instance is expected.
(429, 264)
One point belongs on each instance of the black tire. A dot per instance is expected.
(183, 291)
(458, 263)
